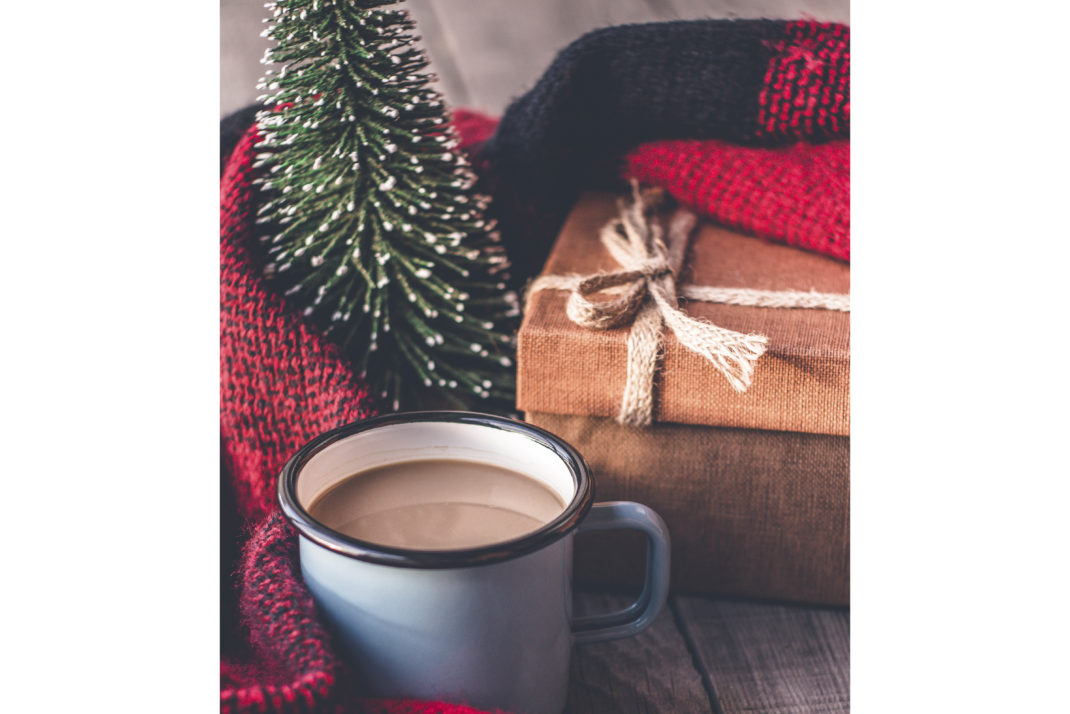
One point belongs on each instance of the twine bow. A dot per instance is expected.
(644, 294)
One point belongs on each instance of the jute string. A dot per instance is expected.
(643, 293)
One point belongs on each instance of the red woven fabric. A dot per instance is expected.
(293, 667)
(800, 195)
(473, 128)
(807, 86)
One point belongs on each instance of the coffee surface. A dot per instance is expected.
(437, 504)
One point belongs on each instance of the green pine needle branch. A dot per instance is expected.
(370, 225)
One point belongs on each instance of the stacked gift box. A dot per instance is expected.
(754, 484)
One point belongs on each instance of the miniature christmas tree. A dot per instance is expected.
(369, 222)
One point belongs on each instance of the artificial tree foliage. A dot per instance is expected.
(369, 222)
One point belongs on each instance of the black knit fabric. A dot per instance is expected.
(620, 86)
(608, 91)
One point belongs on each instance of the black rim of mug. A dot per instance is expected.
(460, 558)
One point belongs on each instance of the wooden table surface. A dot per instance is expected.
(702, 654)
(715, 655)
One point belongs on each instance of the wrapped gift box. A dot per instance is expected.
(754, 485)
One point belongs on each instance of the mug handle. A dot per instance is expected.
(632, 620)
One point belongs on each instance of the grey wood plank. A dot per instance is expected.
(436, 43)
(775, 659)
(651, 673)
(240, 50)
(823, 10)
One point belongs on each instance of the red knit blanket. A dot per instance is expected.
(798, 194)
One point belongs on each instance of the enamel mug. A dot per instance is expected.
(491, 626)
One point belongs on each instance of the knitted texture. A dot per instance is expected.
(806, 90)
(281, 383)
(749, 82)
(295, 668)
(799, 194)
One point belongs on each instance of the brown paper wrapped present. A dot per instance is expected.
(753, 484)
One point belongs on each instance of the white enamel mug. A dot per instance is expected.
(491, 626)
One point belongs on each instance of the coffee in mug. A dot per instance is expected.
(437, 504)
